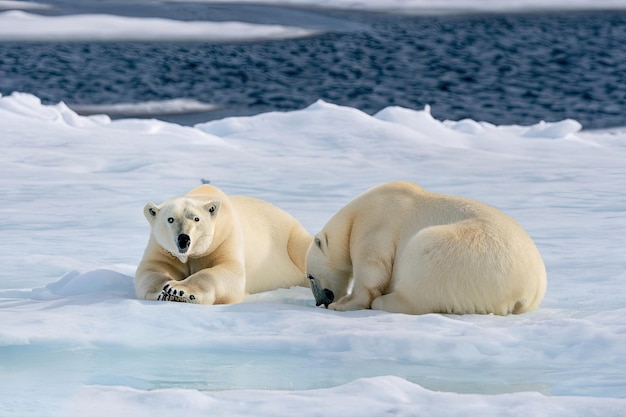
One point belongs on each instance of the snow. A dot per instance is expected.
(19, 25)
(22, 5)
(75, 341)
(443, 6)
(147, 108)
(395, 397)
(16, 25)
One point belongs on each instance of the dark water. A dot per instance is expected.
(505, 69)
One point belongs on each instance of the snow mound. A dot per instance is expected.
(73, 332)
(97, 281)
(31, 107)
(556, 130)
(147, 108)
(385, 395)
(23, 26)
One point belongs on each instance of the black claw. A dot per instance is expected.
(192, 297)
(175, 292)
(181, 293)
(169, 290)
(166, 287)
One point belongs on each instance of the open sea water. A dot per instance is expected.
(501, 68)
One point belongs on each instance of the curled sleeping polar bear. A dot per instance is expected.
(208, 248)
(406, 250)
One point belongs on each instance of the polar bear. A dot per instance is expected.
(208, 248)
(406, 250)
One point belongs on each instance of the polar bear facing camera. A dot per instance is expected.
(206, 247)
(406, 250)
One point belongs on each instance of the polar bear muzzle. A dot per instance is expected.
(322, 295)
(183, 241)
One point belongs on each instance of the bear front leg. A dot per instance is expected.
(150, 284)
(370, 280)
(351, 302)
(220, 284)
(187, 291)
(157, 286)
(171, 293)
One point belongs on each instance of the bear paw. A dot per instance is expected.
(349, 303)
(168, 293)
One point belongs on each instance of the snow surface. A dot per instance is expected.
(74, 340)
(147, 108)
(22, 5)
(16, 25)
(443, 6)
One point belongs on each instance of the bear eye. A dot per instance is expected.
(318, 243)
(211, 209)
(170, 220)
(196, 219)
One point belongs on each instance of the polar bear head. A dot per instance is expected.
(328, 266)
(183, 226)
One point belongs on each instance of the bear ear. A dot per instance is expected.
(213, 207)
(150, 211)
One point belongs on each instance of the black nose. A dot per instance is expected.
(183, 242)
(322, 295)
(330, 297)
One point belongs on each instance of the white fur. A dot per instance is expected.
(408, 250)
(238, 245)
